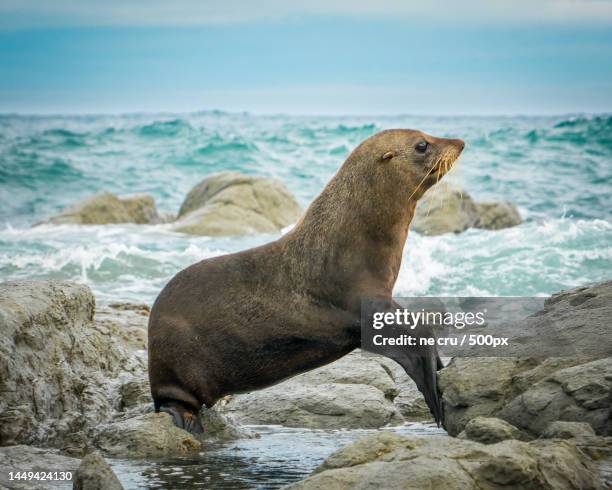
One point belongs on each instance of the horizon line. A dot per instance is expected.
(298, 114)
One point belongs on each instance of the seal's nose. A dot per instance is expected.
(460, 144)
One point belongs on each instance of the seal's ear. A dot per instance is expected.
(387, 156)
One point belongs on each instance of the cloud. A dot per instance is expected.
(15, 14)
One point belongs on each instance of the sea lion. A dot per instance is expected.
(247, 320)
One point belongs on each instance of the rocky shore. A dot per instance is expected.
(74, 383)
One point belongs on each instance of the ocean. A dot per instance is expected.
(557, 170)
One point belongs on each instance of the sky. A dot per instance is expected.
(320, 57)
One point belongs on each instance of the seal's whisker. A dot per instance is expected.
(421, 183)
(442, 194)
(432, 197)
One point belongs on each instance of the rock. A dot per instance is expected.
(577, 394)
(356, 368)
(497, 215)
(141, 209)
(325, 406)
(94, 473)
(490, 430)
(532, 392)
(59, 369)
(446, 209)
(130, 320)
(231, 203)
(151, 435)
(105, 208)
(134, 391)
(567, 430)
(354, 392)
(390, 461)
(221, 426)
(473, 387)
(28, 458)
(79, 382)
(572, 322)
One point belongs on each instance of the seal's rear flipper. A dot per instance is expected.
(184, 417)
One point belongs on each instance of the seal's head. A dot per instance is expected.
(376, 190)
(415, 159)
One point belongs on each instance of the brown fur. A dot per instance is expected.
(244, 321)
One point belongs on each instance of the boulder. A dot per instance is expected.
(151, 435)
(354, 392)
(448, 209)
(473, 387)
(28, 458)
(571, 326)
(444, 209)
(220, 426)
(94, 473)
(497, 215)
(76, 381)
(490, 430)
(390, 461)
(579, 393)
(141, 209)
(532, 392)
(59, 369)
(106, 208)
(567, 430)
(231, 203)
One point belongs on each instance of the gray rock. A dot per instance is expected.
(580, 393)
(141, 209)
(448, 209)
(391, 461)
(490, 430)
(324, 406)
(28, 458)
(134, 391)
(497, 215)
(59, 369)
(79, 382)
(569, 328)
(221, 426)
(532, 392)
(567, 430)
(231, 203)
(473, 387)
(94, 473)
(151, 435)
(130, 320)
(106, 208)
(353, 392)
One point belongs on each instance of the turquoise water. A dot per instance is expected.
(558, 170)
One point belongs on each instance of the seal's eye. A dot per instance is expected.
(421, 146)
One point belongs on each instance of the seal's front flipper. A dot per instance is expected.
(428, 383)
(420, 361)
(422, 369)
(183, 417)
